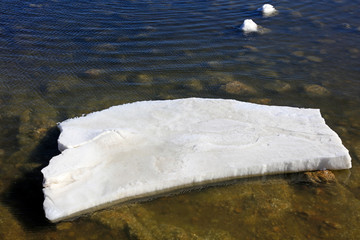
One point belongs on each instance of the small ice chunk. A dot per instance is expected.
(249, 26)
(267, 10)
(145, 148)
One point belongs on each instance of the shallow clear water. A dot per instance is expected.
(61, 59)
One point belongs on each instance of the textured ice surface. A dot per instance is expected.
(267, 10)
(249, 26)
(145, 148)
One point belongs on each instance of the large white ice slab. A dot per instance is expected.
(144, 148)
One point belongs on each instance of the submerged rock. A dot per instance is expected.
(298, 53)
(316, 90)
(314, 59)
(93, 72)
(145, 148)
(144, 78)
(265, 101)
(317, 177)
(324, 176)
(240, 88)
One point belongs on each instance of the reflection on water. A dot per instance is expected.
(61, 59)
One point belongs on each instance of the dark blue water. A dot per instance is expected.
(60, 59)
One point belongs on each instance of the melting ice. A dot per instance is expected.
(249, 26)
(267, 10)
(145, 148)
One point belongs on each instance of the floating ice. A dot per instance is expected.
(267, 10)
(145, 148)
(249, 26)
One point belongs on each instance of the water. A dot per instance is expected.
(61, 59)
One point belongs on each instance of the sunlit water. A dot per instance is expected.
(61, 59)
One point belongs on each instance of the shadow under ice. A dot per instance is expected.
(25, 197)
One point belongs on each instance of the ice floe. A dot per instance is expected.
(249, 26)
(145, 148)
(268, 10)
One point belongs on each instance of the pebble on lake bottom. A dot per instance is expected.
(316, 177)
(316, 90)
(314, 59)
(298, 53)
(264, 101)
(237, 87)
(144, 78)
(93, 72)
(353, 50)
(324, 176)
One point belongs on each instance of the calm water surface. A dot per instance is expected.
(61, 59)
